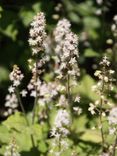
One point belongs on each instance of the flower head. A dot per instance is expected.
(16, 76)
(12, 149)
(37, 33)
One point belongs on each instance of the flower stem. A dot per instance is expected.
(114, 146)
(101, 129)
(36, 97)
(100, 115)
(24, 113)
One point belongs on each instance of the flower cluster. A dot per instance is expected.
(37, 33)
(103, 86)
(63, 103)
(16, 76)
(60, 131)
(62, 121)
(12, 149)
(105, 76)
(63, 28)
(102, 105)
(112, 118)
(66, 49)
(66, 68)
(70, 55)
(11, 103)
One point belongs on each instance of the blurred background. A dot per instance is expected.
(91, 20)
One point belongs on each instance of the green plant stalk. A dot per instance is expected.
(34, 108)
(36, 98)
(114, 147)
(100, 115)
(59, 144)
(12, 152)
(101, 129)
(69, 94)
(24, 113)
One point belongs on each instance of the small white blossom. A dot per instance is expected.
(33, 93)
(11, 89)
(113, 116)
(92, 108)
(77, 99)
(23, 93)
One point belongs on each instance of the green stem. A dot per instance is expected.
(101, 129)
(21, 105)
(24, 113)
(59, 149)
(100, 116)
(36, 98)
(114, 146)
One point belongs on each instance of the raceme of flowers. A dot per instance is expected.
(66, 49)
(11, 103)
(12, 149)
(37, 33)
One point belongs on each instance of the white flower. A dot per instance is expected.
(113, 116)
(33, 93)
(77, 99)
(62, 101)
(112, 130)
(23, 93)
(30, 86)
(92, 108)
(77, 110)
(105, 61)
(72, 61)
(11, 89)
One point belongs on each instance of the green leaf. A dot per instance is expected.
(23, 140)
(91, 22)
(92, 135)
(1, 11)
(26, 16)
(90, 53)
(83, 8)
(42, 146)
(10, 31)
(74, 17)
(26, 13)
(36, 131)
(4, 134)
(80, 123)
(15, 122)
(4, 74)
